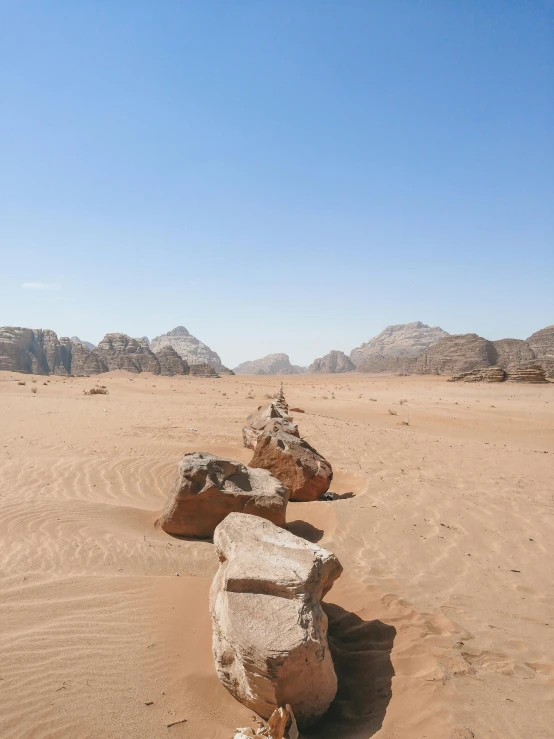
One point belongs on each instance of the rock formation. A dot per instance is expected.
(542, 345)
(203, 370)
(121, 352)
(487, 374)
(171, 363)
(456, 354)
(512, 353)
(295, 463)
(532, 373)
(395, 346)
(36, 351)
(187, 347)
(81, 361)
(269, 629)
(208, 488)
(273, 416)
(226, 371)
(273, 364)
(334, 362)
(87, 344)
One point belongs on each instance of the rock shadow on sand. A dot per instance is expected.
(361, 655)
(305, 530)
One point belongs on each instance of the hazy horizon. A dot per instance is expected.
(277, 177)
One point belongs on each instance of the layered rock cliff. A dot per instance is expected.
(121, 352)
(455, 354)
(395, 346)
(542, 345)
(36, 351)
(332, 363)
(272, 364)
(187, 347)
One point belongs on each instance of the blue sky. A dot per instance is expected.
(277, 175)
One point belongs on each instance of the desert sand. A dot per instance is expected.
(442, 624)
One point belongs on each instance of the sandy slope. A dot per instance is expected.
(442, 624)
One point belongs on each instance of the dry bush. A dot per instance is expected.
(22, 383)
(373, 400)
(96, 391)
(401, 402)
(392, 412)
(33, 389)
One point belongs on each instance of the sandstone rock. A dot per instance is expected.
(334, 362)
(171, 363)
(273, 416)
(456, 354)
(295, 463)
(273, 364)
(542, 344)
(82, 361)
(487, 374)
(512, 353)
(203, 370)
(208, 488)
(87, 344)
(188, 347)
(36, 351)
(395, 346)
(121, 352)
(226, 371)
(269, 629)
(532, 373)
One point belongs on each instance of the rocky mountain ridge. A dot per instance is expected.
(272, 364)
(188, 347)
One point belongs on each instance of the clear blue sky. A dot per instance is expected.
(277, 175)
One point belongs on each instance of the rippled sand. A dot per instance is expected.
(441, 626)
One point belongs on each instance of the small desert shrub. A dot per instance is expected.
(22, 383)
(45, 383)
(401, 402)
(392, 412)
(96, 391)
(406, 422)
(33, 389)
(373, 400)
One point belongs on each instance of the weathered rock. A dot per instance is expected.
(208, 488)
(512, 353)
(121, 352)
(533, 373)
(36, 351)
(273, 364)
(542, 344)
(250, 434)
(487, 374)
(456, 354)
(269, 629)
(87, 344)
(334, 362)
(295, 463)
(188, 347)
(82, 361)
(226, 371)
(394, 348)
(202, 370)
(273, 416)
(171, 363)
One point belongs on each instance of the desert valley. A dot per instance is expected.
(440, 512)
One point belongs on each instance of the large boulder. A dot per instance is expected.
(512, 353)
(208, 488)
(295, 463)
(269, 629)
(273, 416)
(332, 363)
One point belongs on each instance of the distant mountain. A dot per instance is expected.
(334, 362)
(77, 340)
(187, 347)
(273, 364)
(393, 348)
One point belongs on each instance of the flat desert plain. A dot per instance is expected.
(441, 627)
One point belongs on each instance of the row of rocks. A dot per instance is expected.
(40, 352)
(274, 437)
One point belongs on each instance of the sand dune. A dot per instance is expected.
(442, 625)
